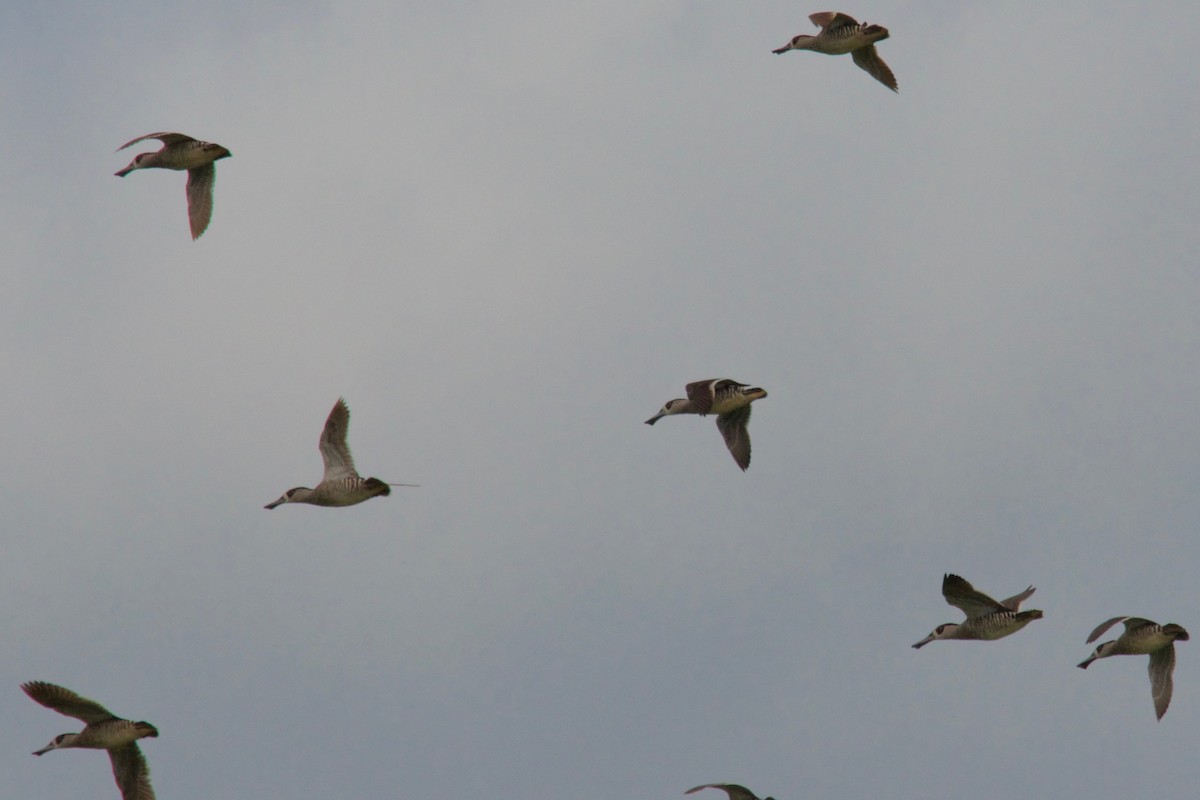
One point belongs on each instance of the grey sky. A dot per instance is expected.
(506, 234)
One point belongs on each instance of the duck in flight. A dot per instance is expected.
(726, 398)
(341, 484)
(180, 151)
(1143, 637)
(986, 619)
(104, 731)
(841, 34)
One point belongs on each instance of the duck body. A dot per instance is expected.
(103, 731)
(182, 152)
(334, 494)
(841, 34)
(1143, 637)
(987, 619)
(341, 484)
(729, 400)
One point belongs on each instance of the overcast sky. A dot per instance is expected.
(506, 233)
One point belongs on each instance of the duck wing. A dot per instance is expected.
(339, 463)
(131, 773)
(869, 60)
(1162, 664)
(200, 197)
(66, 702)
(737, 438)
(703, 394)
(1015, 601)
(734, 791)
(961, 594)
(832, 19)
(1131, 623)
(165, 138)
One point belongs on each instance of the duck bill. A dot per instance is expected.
(45, 749)
(278, 502)
(923, 642)
(783, 49)
(124, 172)
(655, 418)
(1084, 664)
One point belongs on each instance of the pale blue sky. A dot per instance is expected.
(507, 233)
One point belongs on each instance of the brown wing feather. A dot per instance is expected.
(165, 138)
(734, 791)
(200, 197)
(131, 773)
(1105, 625)
(832, 19)
(1015, 601)
(1162, 664)
(701, 394)
(334, 450)
(66, 702)
(737, 437)
(869, 60)
(962, 595)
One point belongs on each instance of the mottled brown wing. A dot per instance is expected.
(737, 436)
(165, 138)
(832, 19)
(200, 197)
(701, 394)
(339, 463)
(869, 60)
(1015, 601)
(66, 702)
(1162, 664)
(961, 594)
(734, 791)
(1130, 624)
(131, 773)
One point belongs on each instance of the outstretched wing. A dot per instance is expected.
(869, 60)
(832, 19)
(131, 773)
(1162, 664)
(64, 701)
(737, 438)
(334, 450)
(1015, 601)
(961, 594)
(1130, 624)
(734, 791)
(165, 138)
(200, 197)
